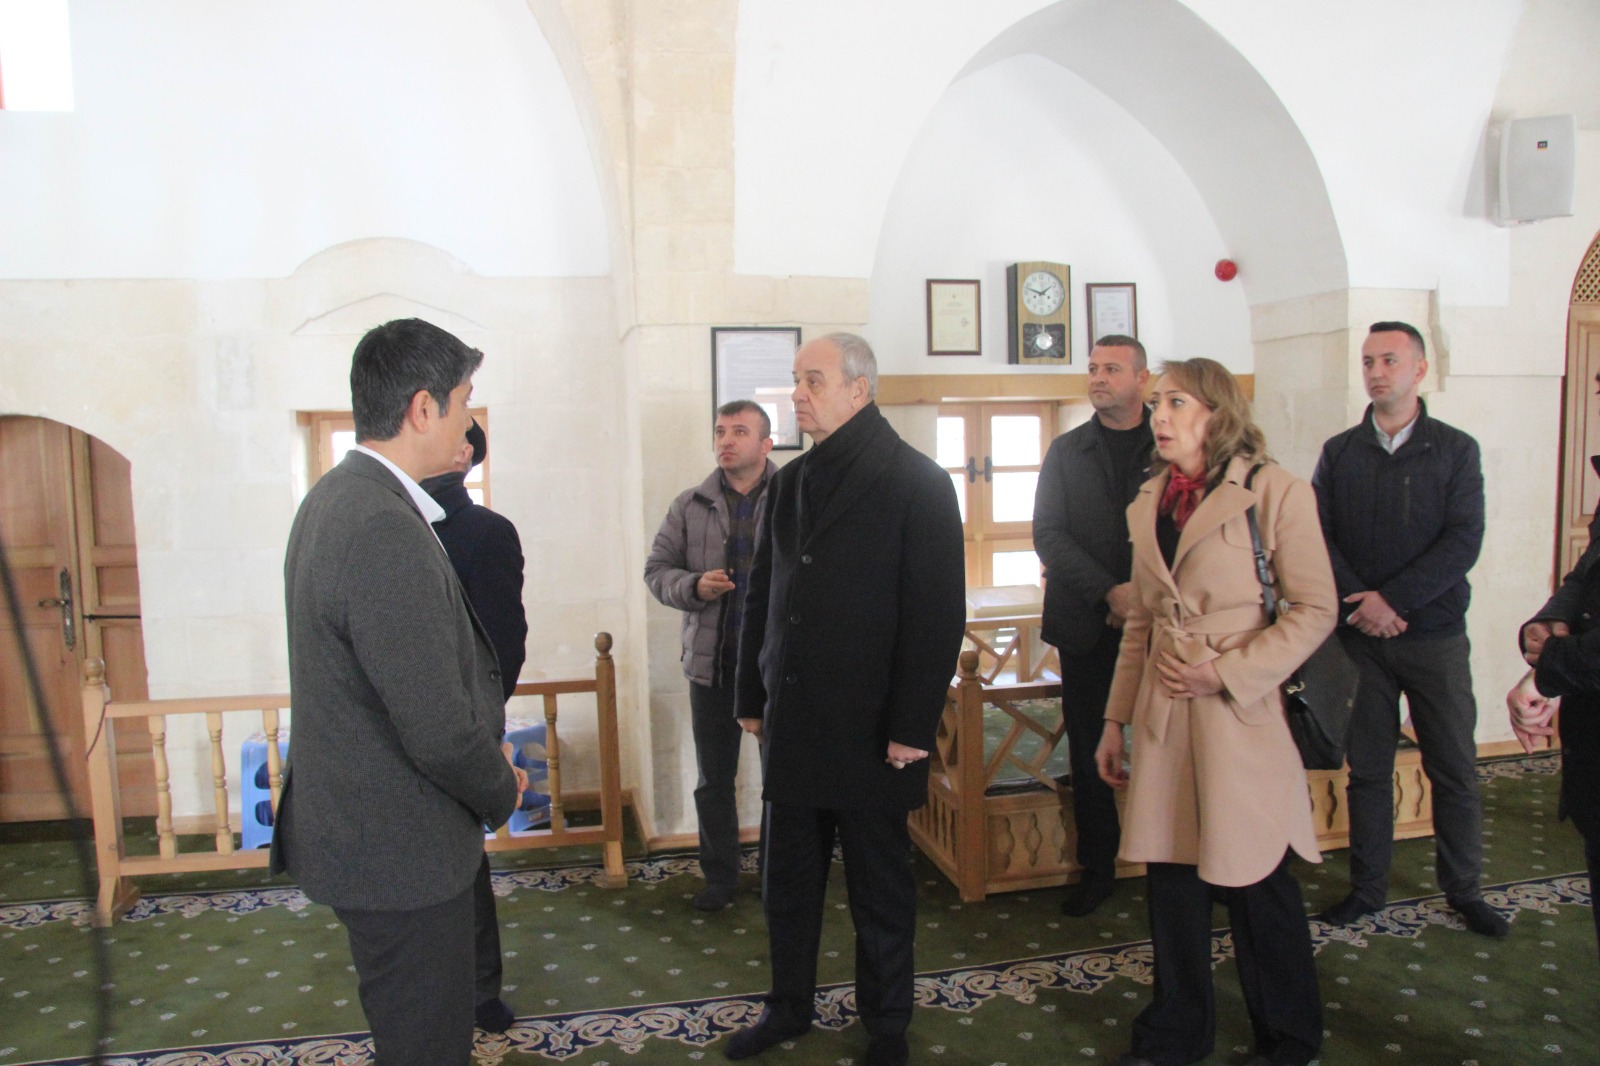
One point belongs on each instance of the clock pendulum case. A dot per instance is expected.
(1039, 315)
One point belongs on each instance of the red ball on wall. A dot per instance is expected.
(1227, 270)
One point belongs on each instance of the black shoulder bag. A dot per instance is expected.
(1319, 696)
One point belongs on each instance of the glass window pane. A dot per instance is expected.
(960, 482)
(951, 441)
(1013, 496)
(1016, 568)
(1015, 439)
(342, 440)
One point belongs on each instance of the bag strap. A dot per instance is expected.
(1293, 684)
(1269, 596)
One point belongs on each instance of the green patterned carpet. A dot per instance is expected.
(234, 969)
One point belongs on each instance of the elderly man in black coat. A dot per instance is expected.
(853, 621)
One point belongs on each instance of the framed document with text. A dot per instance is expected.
(953, 318)
(1112, 309)
(757, 363)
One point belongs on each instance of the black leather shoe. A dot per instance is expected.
(1482, 918)
(1349, 910)
(888, 1049)
(713, 898)
(493, 1016)
(770, 1030)
(1128, 1058)
(1085, 897)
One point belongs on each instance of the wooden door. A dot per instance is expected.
(1580, 487)
(993, 452)
(66, 520)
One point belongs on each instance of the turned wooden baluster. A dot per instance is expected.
(269, 725)
(116, 892)
(165, 837)
(552, 748)
(605, 698)
(969, 780)
(219, 784)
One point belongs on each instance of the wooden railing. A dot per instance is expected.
(117, 869)
(1009, 648)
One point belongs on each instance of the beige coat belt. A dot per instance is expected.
(1187, 639)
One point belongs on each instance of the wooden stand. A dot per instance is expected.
(987, 840)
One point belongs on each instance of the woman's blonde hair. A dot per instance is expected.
(1231, 431)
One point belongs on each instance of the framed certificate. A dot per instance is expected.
(1112, 309)
(757, 363)
(953, 324)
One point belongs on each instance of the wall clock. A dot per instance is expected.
(1039, 314)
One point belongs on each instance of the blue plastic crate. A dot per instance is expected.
(255, 795)
(534, 810)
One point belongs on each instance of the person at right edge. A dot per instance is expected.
(1562, 645)
(1401, 497)
(1216, 791)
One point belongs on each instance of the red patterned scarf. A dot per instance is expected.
(1182, 496)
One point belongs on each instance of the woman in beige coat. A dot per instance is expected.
(1217, 795)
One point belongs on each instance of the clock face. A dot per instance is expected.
(1042, 293)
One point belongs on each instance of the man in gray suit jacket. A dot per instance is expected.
(396, 767)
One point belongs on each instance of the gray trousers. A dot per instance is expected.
(416, 976)
(717, 737)
(1435, 674)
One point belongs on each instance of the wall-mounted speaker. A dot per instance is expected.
(1536, 167)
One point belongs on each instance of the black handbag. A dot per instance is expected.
(1318, 698)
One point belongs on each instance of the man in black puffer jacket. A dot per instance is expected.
(1401, 497)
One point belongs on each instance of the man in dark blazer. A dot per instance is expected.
(1080, 530)
(487, 555)
(396, 767)
(853, 620)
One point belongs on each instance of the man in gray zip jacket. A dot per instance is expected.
(698, 562)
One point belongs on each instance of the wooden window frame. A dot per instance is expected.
(322, 425)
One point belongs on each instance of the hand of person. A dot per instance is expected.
(1373, 615)
(1188, 681)
(901, 755)
(1530, 712)
(751, 726)
(712, 584)
(521, 775)
(1534, 634)
(1108, 756)
(1119, 604)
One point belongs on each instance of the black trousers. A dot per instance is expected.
(717, 738)
(1085, 684)
(486, 929)
(1272, 949)
(798, 846)
(416, 977)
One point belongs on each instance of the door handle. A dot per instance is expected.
(972, 470)
(988, 471)
(69, 632)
